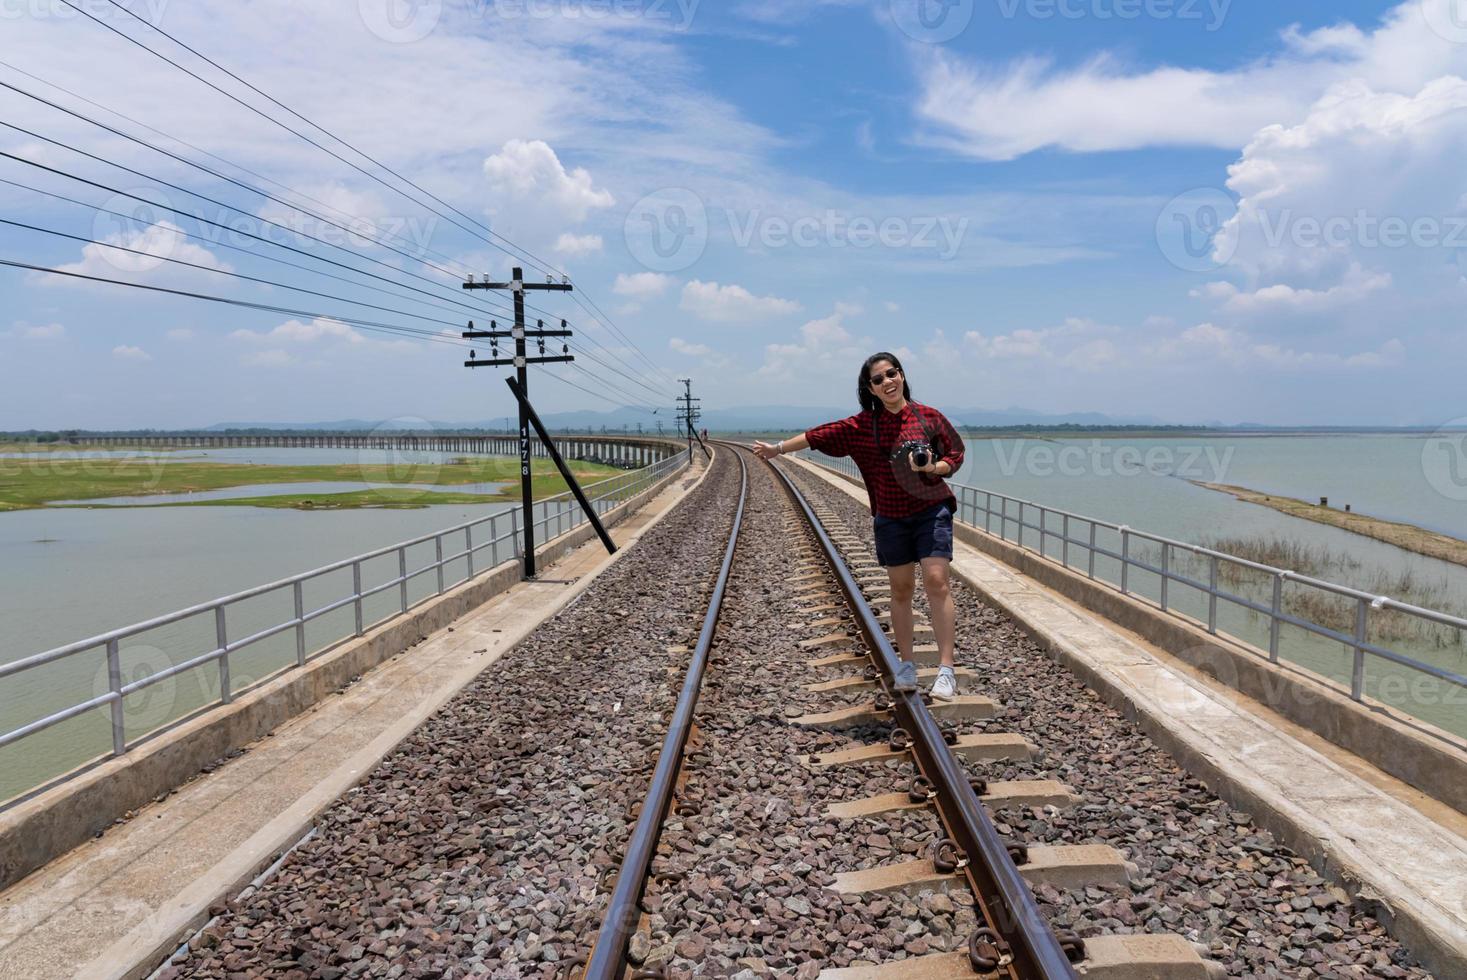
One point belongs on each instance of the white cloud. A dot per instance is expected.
(530, 170)
(692, 350)
(152, 248)
(296, 332)
(642, 285)
(1028, 343)
(44, 331)
(999, 112)
(826, 347)
(1357, 285)
(126, 352)
(731, 303)
(1213, 345)
(568, 244)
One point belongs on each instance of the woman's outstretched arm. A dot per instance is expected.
(769, 450)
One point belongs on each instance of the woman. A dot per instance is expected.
(911, 505)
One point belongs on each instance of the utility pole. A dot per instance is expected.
(521, 359)
(689, 413)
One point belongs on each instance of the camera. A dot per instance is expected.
(920, 452)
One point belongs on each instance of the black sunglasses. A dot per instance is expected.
(890, 374)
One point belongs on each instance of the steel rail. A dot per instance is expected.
(608, 959)
(1004, 898)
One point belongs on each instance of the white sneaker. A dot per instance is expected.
(945, 688)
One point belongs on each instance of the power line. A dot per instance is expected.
(517, 249)
(237, 183)
(246, 234)
(295, 132)
(236, 248)
(205, 197)
(222, 272)
(229, 163)
(374, 325)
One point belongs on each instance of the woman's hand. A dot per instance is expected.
(766, 450)
(930, 468)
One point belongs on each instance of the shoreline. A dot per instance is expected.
(1409, 537)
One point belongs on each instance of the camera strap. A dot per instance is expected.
(917, 411)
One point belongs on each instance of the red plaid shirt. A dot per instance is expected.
(895, 490)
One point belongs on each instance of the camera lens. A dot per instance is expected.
(921, 457)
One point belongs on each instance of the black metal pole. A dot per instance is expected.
(527, 409)
(527, 492)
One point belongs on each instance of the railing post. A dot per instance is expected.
(1003, 518)
(1166, 574)
(114, 684)
(221, 633)
(1090, 561)
(1043, 530)
(402, 577)
(1357, 675)
(514, 527)
(356, 588)
(469, 547)
(438, 549)
(1273, 621)
(1065, 547)
(300, 623)
(1021, 525)
(1125, 560)
(1212, 593)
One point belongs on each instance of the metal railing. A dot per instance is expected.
(496, 537)
(1078, 543)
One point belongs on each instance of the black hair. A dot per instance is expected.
(868, 400)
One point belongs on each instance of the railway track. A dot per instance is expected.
(844, 598)
(797, 840)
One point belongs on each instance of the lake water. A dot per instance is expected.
(71, 573)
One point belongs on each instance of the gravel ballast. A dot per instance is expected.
(481, 845)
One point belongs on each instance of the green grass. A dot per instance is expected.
(29, 483)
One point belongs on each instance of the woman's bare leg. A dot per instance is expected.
(935, 579)
(903, 580)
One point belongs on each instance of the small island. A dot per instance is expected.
(1408, 536)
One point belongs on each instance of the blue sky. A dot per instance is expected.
(1182, 210)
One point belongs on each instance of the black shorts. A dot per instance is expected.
(904, 540)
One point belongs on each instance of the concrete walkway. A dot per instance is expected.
(116, 906)
(1402, 853)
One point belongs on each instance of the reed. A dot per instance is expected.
(1334, 611)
